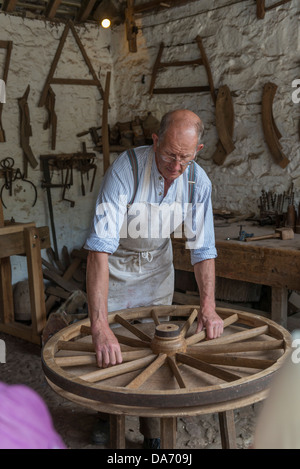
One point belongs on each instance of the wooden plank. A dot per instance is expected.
(85, 10)
(51, 8)
(9, 5)
(74, 81)
(66, 276)
(14, 228)
(6, 292)
(35, 278)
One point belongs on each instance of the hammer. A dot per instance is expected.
(281, 233)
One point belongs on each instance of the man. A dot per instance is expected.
(127, 270)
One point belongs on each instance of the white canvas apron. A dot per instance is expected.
(141, 270)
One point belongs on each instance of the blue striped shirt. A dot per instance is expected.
(117, 190)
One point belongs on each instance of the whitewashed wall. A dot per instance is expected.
(78, 108)
(243, 53)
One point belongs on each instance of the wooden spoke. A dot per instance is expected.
(207, 368)
(227, 360)
(193, 339)
(149, 371)
(77, 360)
(238, 336)
(123, 339)
(132, 328)
(75, 346)
(176, 372)
(104, 373)
(189, 322)
(250, 346)
(155, 317)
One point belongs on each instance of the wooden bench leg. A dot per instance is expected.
(227, 429)
(168, 429)
(117, 431)
(279, 305)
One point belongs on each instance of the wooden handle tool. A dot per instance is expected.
(281, 233)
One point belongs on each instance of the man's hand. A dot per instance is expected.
(212, 323)
(108, 351)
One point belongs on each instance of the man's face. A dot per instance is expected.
(177, 148)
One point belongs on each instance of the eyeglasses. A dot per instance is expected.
(172, 159)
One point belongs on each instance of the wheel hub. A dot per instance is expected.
(168, 339)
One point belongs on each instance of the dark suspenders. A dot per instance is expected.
(134, 165)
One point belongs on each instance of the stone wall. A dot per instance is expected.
(243, 52)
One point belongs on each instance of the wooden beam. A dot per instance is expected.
(9, 5)
(85, 10)
(51, 8)
(154, 4)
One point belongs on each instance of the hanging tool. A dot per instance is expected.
(25, 130)
(224, 124)
(11, 175)
(271, 132)
(93, 131)
(52, 118)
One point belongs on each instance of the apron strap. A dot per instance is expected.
(191, 181)
(134, 165)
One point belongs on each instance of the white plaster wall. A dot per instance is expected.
(78, 108)
(243, 53)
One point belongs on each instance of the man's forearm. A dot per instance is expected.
(206, 281)
(97, 281)
(207, 317)
(107, 347)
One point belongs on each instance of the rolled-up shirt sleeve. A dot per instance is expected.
(206, 248)
(111, 207)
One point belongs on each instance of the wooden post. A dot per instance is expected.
(227, 429)
(6, 293)
(105, 136)
(35, 278)
(117, 431)
(168, 428)
(279, 305)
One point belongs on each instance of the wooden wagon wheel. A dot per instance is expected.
(165, 363)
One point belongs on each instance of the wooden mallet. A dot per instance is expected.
(281, 233)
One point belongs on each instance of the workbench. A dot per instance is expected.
(271, 262)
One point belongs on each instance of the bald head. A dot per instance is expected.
(181, 119)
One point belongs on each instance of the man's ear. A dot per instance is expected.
(155, 141)
(199, 147)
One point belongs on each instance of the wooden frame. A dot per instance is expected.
(20, 239)
(180, 63)
(261, 8)
(69, 81)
